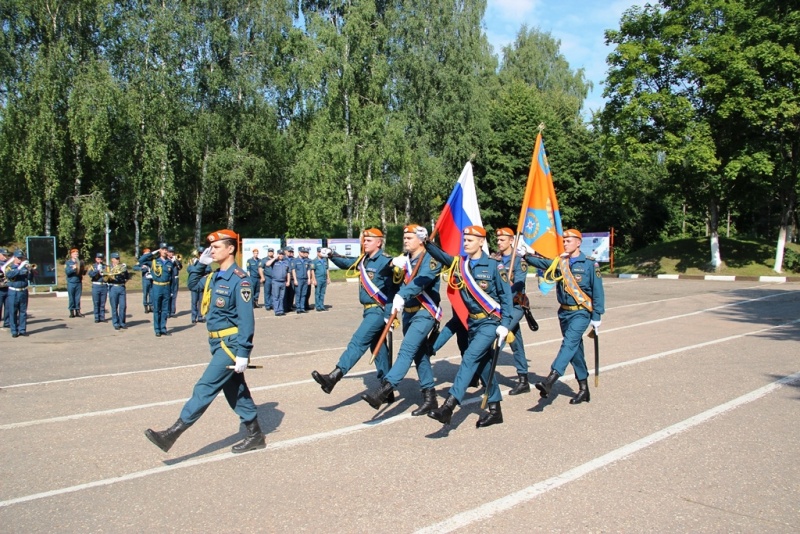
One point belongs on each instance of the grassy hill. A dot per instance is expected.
(691, 256)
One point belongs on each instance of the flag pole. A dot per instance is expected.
(521, 220)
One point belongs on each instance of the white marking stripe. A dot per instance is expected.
(489, 509)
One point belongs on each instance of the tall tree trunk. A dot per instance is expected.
(48, 212)
(409, 190)
(786, 220)
(349, 189)
(713, 227)
(198, 214)
(161, 213)
(136, 208)
(365, 207)
(231, 207)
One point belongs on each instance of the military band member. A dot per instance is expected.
(488, 301)
(197, 293)
(147, 284)
(417, 304)
(377, 289)
(18, 273)
(280, 281)
(117, 278)
(300, 275)
(74, 269)
(227, 295)
(173, 288)
(253, 264)
(320, 278)
(265, 272)
(582, 304)
(505, 245)
(161, 269)
(97, 274)
(4, 261)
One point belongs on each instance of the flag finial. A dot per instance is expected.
(541, 127)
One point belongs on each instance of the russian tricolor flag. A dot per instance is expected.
(460, 211)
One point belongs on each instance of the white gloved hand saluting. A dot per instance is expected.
(398, 303)
(421, 233)
(325, 252)
(205, 258)
(501, 332)
(595, 325)
(399, 262)
(241, 364)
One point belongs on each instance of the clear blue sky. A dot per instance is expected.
(578, 24)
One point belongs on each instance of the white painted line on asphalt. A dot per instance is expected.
(485, 511)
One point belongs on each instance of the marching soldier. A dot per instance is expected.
(280, 281)
(227, 301)
(197, 293)
(488, 301)
(161, 269)
(173, 288)
(320, 278)
(582, 304)
(4, 261)
(505, 242)
(377, 288)
(147, 284)
(253, 265)
(417, 302)
(75, 270)
(117, 277)
(266, 278)
(300, 276)
(18, 272)
(97, 274)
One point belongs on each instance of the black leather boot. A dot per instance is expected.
(72, 314)
(254, 439)
(327, 382)
(429, 402)
(545, 387)
(78, 313)
(583, 393)
(379, 395)
(493, 417)
(523, 386)
(165, 439)
(445, 413)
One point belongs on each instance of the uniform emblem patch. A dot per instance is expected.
(247, 293)
(578, 277)
(434, 265)
(220, 302)
(484, 284)
(504, 276)
(370, 275)
(524, 266)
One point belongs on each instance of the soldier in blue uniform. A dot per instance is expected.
(417, 303)
(147, 284)
(161, 270)
(582, 303)
(280, 281)
(377, 289)
(117, 278)
(320, 278)
(74, 269)
(266, 278)
(300, 276)
(97, 274)
(288, 296)
(18, 274)
(505, 245)
(197, 294)
(488, 301)
(177, 265)
(5, 262)
(228, 306)
(253, 264)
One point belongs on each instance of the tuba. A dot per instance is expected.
(111, 273)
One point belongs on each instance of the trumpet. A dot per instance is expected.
(179, 258)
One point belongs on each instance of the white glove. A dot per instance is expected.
(421, 233)
(398, 303)
(595, 325)
(206, 259)
(501, 332)
(241, 364)
(23, 264)
(523, 248)
(325, 252)
(400, 262)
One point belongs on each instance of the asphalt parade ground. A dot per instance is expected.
(693, 428)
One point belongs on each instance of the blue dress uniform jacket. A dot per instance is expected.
(267, 270)
(320, 268)
(255, 277)
(117, 297)
(74, 283)
(300, 267)
(280, 268)
(17, 300)
(173, 292)
(574, 322)
(231, 327)
(417, 322)
(197, 294)
(480, 330)
(99, 290)
(162, 271)
(147, 285)
(517, 289)
(379, 270)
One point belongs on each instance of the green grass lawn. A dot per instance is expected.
(692, 257)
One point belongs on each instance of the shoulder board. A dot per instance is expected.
(240, 273)
(590, 258)
(385, 255)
